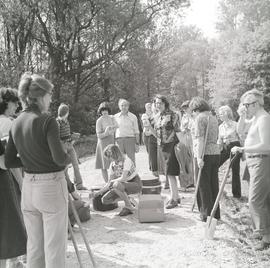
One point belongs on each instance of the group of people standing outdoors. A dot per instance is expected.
(39, 148)
(209, 139)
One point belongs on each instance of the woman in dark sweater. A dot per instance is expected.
(34, 136)
(12, 230)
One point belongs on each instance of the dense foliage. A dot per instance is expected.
(78, 44)
(96, 50)
(242, 53)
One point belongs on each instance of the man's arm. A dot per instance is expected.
(136, 129)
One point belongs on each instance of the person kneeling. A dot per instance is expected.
(123, 180)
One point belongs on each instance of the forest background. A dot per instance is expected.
(97, 50)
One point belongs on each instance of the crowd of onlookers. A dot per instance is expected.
(36, 149)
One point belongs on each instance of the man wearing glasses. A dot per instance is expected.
(257, 149)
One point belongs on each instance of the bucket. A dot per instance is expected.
(210, 228)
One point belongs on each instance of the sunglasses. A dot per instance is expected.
(246, 105)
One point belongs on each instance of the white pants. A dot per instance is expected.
(45, 212)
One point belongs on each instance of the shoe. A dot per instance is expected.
(203, 218)
(125, 211)
(81, 187)
(262, 246)
(172, 204)
(178, 201)
(190, 186)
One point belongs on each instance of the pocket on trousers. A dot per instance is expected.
(50, 196)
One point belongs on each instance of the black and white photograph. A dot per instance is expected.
(134, 133)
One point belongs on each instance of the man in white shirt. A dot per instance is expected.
(257, 149)
(127, 134)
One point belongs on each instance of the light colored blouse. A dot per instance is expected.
(228, 132)
(147, 121)
(103, 122)
(200, 125)
(116, 169)
(5, 125)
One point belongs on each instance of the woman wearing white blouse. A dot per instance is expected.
(228, 138)
(105, 129)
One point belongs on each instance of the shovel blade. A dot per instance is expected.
(210, 228)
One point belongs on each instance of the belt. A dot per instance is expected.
(258, 155)
(228, 142)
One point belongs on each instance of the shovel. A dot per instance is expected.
(82, 233)
(211, 221)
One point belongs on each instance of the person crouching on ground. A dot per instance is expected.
(123, 180)
(66, 138)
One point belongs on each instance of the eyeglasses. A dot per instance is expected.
(248, 104)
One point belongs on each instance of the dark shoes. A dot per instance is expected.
(172, 203)
(203, 218)
(125, 211)
(190, 186)
(81, 187)
(262, 246)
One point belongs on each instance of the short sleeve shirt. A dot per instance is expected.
(5, 125)
(167, 124)
(200, 126)
(147, 120)
(127, 125)
(228, 132)
(117, 168)
(104, 122)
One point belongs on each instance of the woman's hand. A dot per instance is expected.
(108, 131)
(200, 162)
(236, 149)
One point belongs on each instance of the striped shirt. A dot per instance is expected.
(64, 129)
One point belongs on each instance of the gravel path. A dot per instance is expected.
(178, 242)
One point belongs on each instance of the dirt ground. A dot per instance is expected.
(178, 242)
